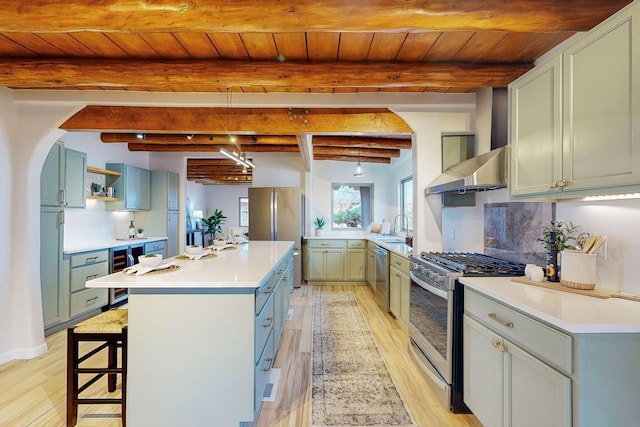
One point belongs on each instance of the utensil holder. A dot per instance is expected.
(578, 270)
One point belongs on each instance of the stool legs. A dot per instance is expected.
(110, 342)
(72, 378)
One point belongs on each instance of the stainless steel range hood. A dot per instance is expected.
(487, 171)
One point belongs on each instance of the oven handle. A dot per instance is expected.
(429, 288)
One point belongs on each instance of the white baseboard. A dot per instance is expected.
(23, 353)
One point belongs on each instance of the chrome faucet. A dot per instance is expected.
(395, 226)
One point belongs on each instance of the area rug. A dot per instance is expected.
(351, 385)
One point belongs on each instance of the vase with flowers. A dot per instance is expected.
(557, 237)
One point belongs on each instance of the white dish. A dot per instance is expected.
(150, 260)
(193, 249)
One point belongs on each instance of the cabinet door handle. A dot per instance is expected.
(495, 343)
(563, 183)
(503, 348)
(91, 301)
(91, 259)
(93, 276)
(268, 323)
(503, 322)
(268, 365)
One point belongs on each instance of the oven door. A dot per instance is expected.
(430, 324)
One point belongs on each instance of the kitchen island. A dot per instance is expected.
(202, 338)
(561, 359)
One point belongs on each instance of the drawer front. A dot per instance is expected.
(550, 345)
(356, 244)
(154, 246)
(264, 292)
(401, 263)
(87, 300)
(80, 275)
(327, 243)
(264, 326)
(262, 373)
(88, 258)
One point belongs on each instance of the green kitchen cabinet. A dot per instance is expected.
(507, 386)
(52, 177)
(55, 293)
(83, 267)
(325, 260)
(74, 174)
(62, 178)
(575, 119)
(399, 288)
(371, 264)
(356, 261)
(162, 219)
(132, 187)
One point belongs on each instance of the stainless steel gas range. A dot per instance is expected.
(435, 315)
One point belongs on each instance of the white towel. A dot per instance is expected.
(139, 270)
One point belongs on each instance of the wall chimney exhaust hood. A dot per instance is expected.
(487, 171)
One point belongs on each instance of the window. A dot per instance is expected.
(406, 203)
(351, 205)
(244, 211)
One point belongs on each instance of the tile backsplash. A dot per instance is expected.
(511, 230)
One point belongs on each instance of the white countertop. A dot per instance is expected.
(106, 244)
(245, 267)
(571, 312)
(401, 249)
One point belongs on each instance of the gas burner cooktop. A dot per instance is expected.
(474, 264)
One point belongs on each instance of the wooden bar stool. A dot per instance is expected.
(110, 328)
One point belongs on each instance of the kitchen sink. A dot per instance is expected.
(391, 239)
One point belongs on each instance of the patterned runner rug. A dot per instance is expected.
(351, 385)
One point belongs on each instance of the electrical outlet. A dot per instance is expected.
(452, 234)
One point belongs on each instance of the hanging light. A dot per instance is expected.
(238, 157)
(358, 172)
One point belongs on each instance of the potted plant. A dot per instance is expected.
(319, 222)
(556, 238)
(213, 224)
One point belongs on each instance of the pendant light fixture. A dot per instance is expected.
(238, 156)
(358, 173)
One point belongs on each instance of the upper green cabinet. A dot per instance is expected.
(75, 169)
(536, 129)
(52, 177)
(575, 119)
(62, 178)
(132, 187)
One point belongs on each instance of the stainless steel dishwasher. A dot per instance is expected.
(382, 277)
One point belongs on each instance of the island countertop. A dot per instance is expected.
(245, 266)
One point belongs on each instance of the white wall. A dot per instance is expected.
(427, 154)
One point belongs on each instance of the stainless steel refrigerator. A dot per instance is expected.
(275, 213)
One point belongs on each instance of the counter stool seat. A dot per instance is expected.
(110, 328)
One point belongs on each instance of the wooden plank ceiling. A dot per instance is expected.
(227, 46)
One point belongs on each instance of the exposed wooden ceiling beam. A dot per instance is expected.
(303, 15)
(215, 74)
(361, 142)
(210, 139)
(210, 162)
(353, 159)
(260, 121)
(249, 148)
(363, 152)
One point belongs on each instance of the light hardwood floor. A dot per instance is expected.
(32, 392)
